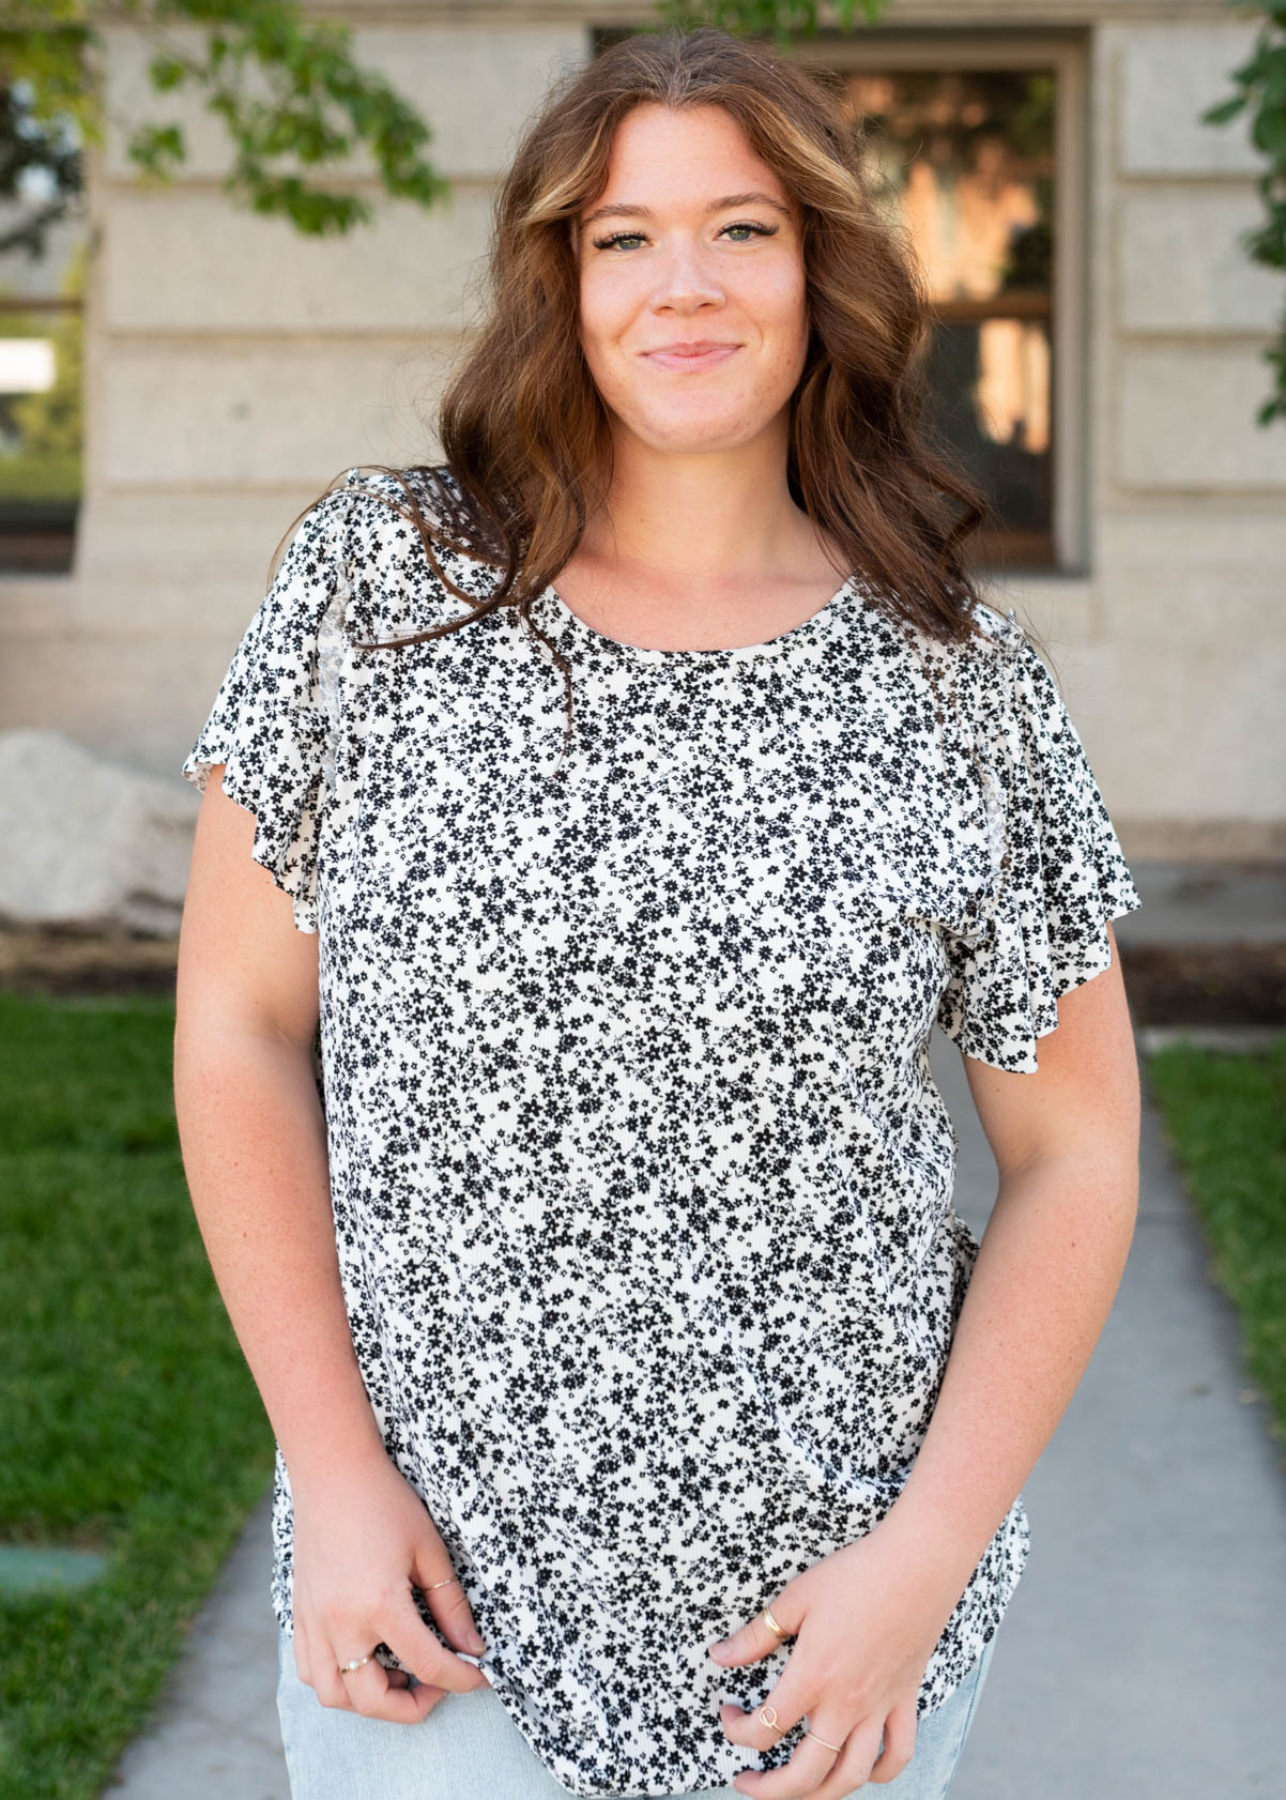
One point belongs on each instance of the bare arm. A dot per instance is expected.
(254, 1141)
(1066, 1142)
(253, 1138)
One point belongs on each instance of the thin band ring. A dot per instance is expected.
(770, 1723)
(835, 1747)
(359, 1662)
(772, 1624)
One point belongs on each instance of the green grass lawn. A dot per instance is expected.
(1225, 1117)
(130, 1422)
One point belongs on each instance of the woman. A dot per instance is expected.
(645, 780)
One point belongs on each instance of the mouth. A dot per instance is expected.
(690, 356)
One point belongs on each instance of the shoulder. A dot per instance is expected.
(970, 665)
(982, 679)
(1000, 627)
(996, 649)
(428, 490)
(403, 569)
(989, 633)
(400, 487)
(1012, 694)
(365, 508)
(370, 509)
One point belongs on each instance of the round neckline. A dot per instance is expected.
(774, 646)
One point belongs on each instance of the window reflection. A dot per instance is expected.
(963, 162)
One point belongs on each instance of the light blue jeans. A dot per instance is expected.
(468, 1748)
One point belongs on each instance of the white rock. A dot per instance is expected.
(88, 841)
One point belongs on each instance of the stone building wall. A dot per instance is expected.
(233, 369)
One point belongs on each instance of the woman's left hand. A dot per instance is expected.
(865, 1621)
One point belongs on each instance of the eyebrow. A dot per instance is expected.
(624, 211)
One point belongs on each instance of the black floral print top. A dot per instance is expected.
(642, 1186)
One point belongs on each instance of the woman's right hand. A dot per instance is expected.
(361, 1537)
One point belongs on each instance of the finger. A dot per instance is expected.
(763, 1726)
(417, 1649)
(299, 1642)
(785, 1704)
(815, 1769)
(325, 1678)
(852, 1769)
(373, 1694)
(442, 1589)
(753, 1640)
(899, 1742)
(804, 1772)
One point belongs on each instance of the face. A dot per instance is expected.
(694, 316)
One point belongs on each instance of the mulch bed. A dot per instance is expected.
(1169, 984)
(1206, 984)
(68, 961)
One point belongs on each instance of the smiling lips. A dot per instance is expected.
(702, 355)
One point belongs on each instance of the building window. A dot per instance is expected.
(964, 160)
(40, 432)
(976, 144)
(44, 253)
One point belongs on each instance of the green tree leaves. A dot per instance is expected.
(1261, 96)
(292, 100)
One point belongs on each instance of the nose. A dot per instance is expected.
(686, 279)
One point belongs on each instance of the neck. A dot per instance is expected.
(713, 519)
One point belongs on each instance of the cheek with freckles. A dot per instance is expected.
(770, 320)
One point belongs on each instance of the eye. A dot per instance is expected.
(616, 238)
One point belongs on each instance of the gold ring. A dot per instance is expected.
(763, 1718)
(357, 1662)
(772, 1624)
(446, 1583)
(835, 1747)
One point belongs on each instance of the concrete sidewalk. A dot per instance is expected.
(1143, 1653)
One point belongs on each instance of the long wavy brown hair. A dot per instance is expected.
(526, 443)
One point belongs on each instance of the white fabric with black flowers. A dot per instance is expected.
(642, 1186)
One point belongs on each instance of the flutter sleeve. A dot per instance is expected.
(1062, 874)
(269, 722)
